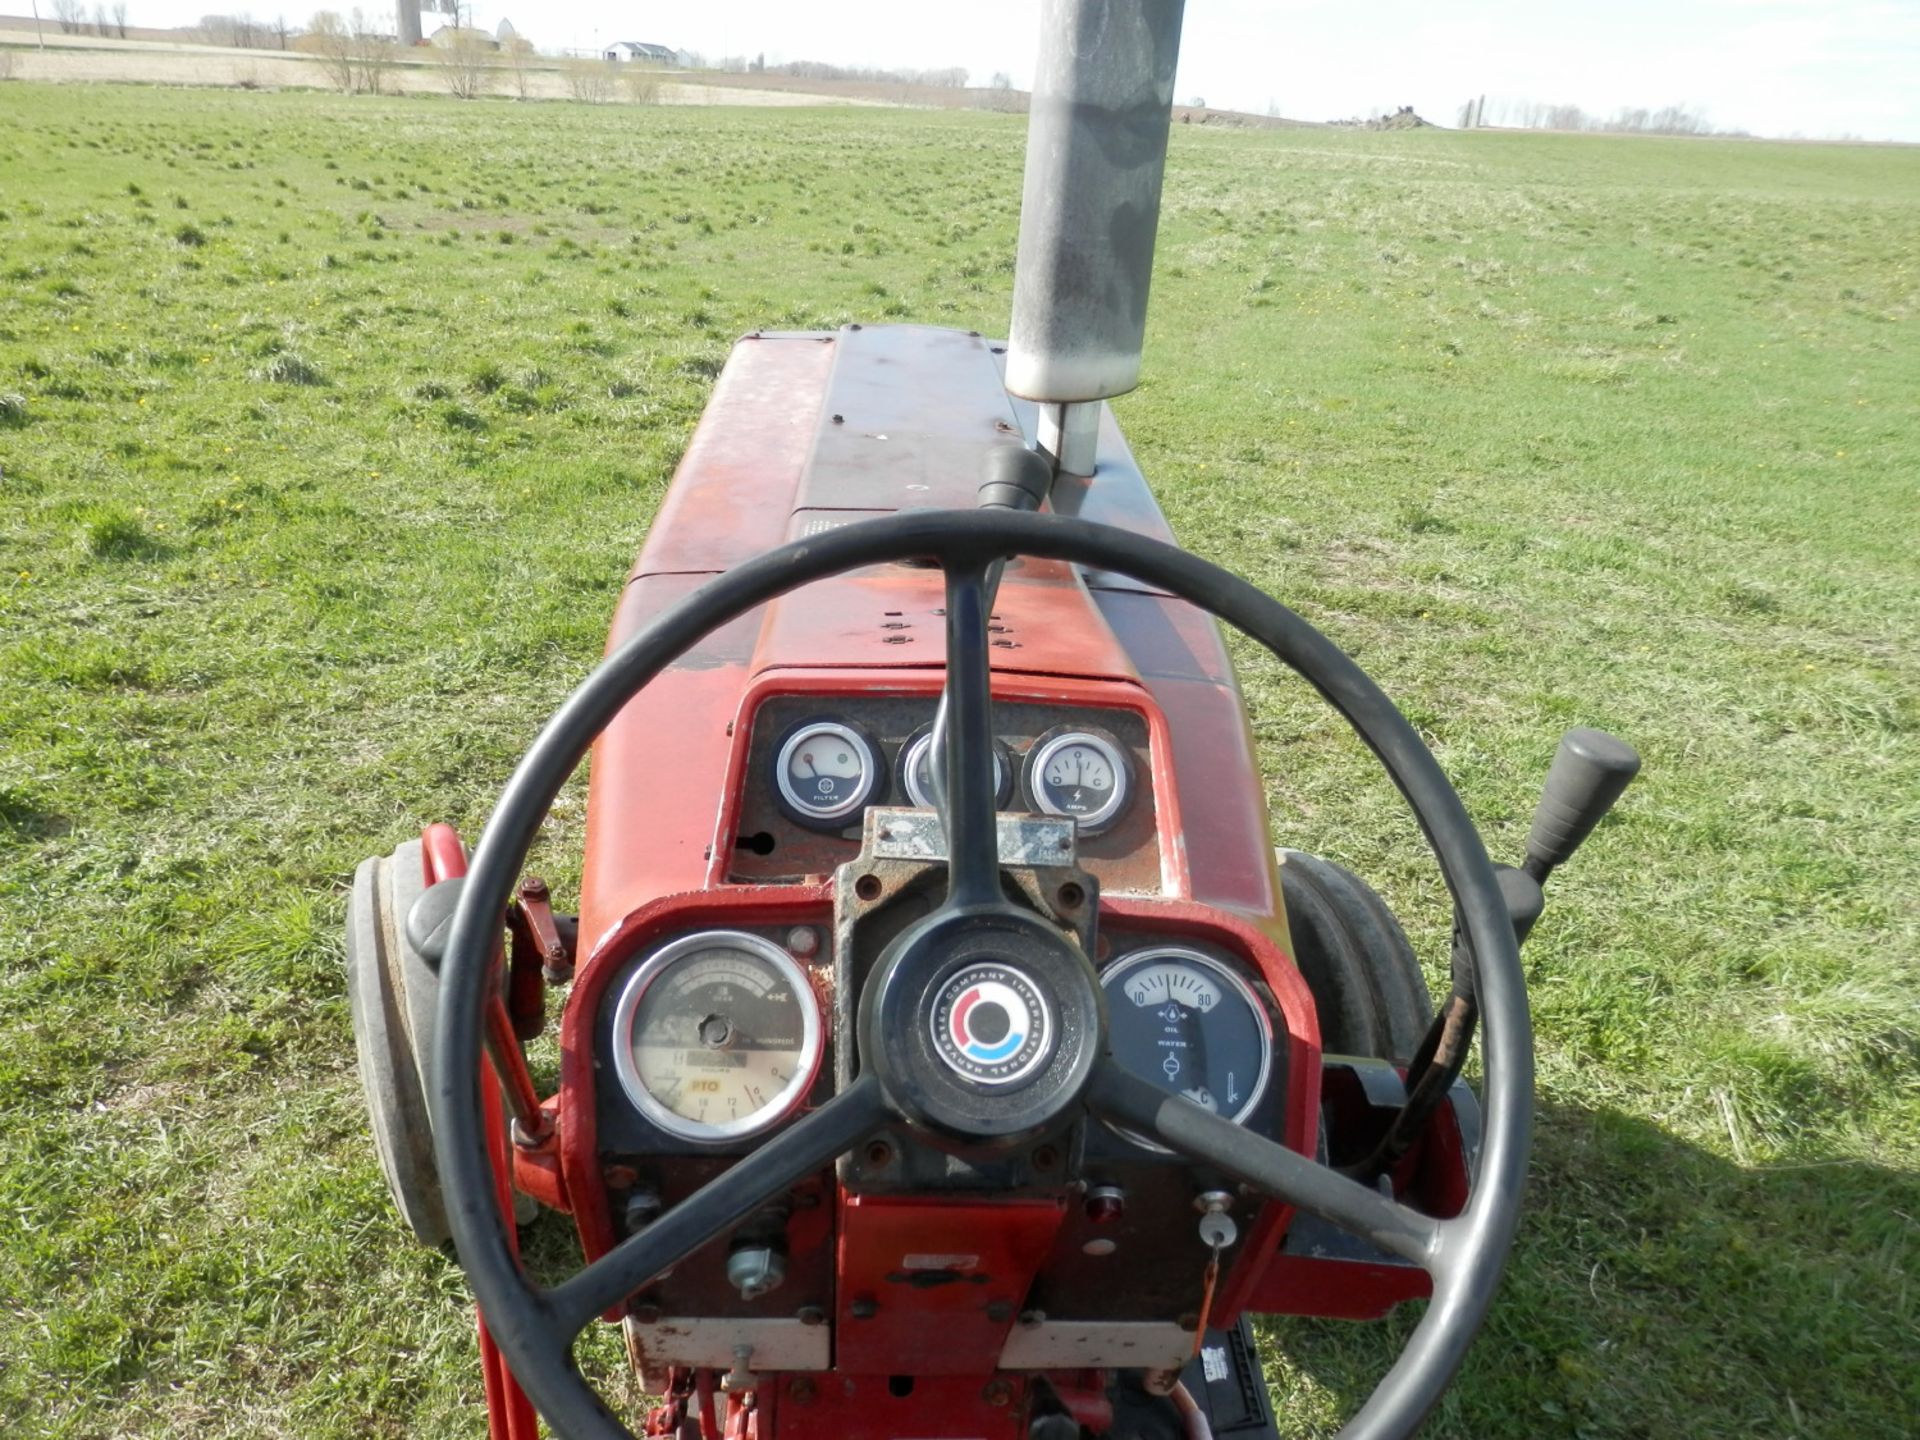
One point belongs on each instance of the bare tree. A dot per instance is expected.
(372, 55)
(464, 63)
(642, 84)
(120, 19)
(280, 32)
(333, 48)
(590, 80)
(1000, 94)
(70, 15)
(520, 65)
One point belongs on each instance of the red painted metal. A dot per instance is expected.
(536, 1169)
(735, 485)
(1264, 942)
(703, 1394)
(509, 1413)
(836, 1406)
(578, 1127)
(930, 1285)
(808, 431)
(919, 409)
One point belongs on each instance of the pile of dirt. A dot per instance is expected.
(1236, 119)
(1401, 119)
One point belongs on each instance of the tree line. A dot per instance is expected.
(1628, 120)
(71, 17)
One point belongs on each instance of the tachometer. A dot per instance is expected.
(826, 772)
(1189, 1024)
(717, 1036)
(1080, 774)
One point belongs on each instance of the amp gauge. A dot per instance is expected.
(916, 771)
(1081, 774)
(826, 772)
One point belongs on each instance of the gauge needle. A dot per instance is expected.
(806, 759)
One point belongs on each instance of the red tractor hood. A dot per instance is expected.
(805, 432)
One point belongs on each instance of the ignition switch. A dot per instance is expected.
(756, 1270)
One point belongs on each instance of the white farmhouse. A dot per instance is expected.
(627, 52)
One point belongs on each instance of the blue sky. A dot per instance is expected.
(1774, 67)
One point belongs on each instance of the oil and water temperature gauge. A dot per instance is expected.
(1191, 1025)
(717, 1036)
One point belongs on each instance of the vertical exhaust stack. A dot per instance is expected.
(1096, 151)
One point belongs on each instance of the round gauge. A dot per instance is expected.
(717, 1036)
(1079, 774)
(1189, 1024)
(826, 772)
(916, 771)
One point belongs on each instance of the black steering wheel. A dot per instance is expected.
(904, 1082)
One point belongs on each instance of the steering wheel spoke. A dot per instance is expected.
(973, 842)
(720, 1204)
(1271, 1168)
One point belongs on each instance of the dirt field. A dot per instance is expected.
(87, 58)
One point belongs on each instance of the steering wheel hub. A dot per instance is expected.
(983, 1025)
(991, 1025)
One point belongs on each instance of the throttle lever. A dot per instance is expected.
(1590, 771)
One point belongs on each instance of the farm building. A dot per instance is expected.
(627, 51)
(449, 35)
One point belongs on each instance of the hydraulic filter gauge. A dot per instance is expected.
(825, 773)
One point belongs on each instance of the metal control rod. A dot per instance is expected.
(1017, 479)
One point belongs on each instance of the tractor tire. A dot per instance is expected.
(394, 994)
(1366, 982)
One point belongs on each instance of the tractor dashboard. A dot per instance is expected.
(708, 1041)
(816, 762)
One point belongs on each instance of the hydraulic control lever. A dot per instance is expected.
(1017, 479)
(1590, 771)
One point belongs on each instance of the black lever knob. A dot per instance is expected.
(429, 922)
(1589, 772)
(1017, 479)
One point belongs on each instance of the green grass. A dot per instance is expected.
(327, 431)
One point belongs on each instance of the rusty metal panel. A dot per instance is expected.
(931, 1286)
(655, 794)
(734, 487)
(910, 415)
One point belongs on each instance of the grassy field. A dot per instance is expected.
(328, 427)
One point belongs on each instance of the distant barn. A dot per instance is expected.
(627, 51)
(448, 35)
